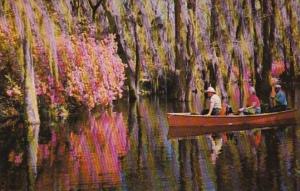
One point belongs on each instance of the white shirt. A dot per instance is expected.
(216, 101)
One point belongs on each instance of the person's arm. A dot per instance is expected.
(211, 106)
(253, 105)
(250, 103)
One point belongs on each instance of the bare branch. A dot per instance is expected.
(94, 7)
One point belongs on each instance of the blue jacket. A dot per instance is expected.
(280, 98)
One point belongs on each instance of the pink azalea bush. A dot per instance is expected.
(277, 68)
(89, 71)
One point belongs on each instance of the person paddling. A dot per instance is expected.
(215, 102)
(279, 101)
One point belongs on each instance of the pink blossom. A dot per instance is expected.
(9, 92)
(18, 159)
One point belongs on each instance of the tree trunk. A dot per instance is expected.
(31, 106)
(123, 49)
(268, 39)
(177, 48)
(217, 49)
(196, 61)
(132, 25)
(257, 43)
(137, 59)
(150, 40)
(158, 23)
(204, 30)
(213, 40)
(292, 49)
(1, 8)
(180, 54)
(161, 27)
(240, 56)
(26, 62)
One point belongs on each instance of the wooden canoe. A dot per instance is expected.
(186, 123)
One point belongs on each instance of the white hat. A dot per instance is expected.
(277, 86)
(210, 89)
(252, 90)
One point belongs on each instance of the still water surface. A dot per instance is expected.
(129, 149)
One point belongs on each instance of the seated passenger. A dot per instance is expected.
(279, 101)
(214, 102)
(253, 104)
(226, 108)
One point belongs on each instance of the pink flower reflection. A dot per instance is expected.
(92, 153)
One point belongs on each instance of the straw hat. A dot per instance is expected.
(210, 89)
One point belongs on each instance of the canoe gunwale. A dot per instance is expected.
(188, 120)
(186, 125)
(232, 116)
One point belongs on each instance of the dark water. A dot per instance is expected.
(129, 149)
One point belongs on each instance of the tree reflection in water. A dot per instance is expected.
(130, 150)
(86, 156)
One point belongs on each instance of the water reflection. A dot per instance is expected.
(32, 151)
(13, 168)
(84, 157)
(129, 149)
